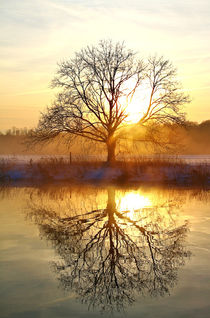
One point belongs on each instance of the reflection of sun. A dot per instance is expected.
(133, 202)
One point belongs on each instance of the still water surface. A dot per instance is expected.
(82, 251)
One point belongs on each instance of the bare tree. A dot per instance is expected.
(98, 84)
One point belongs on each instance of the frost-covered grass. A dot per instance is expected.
(153, 170)
(5, 167)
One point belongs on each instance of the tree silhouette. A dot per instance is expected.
(106, 256)
(98, 84)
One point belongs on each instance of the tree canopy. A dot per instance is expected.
(97, 86)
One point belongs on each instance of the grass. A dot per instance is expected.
(155, 170)
(5, 166)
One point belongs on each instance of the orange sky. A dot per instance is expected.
(35, 35)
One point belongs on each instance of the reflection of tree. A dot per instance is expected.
(107, 256)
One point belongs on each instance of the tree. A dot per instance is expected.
(98, 84)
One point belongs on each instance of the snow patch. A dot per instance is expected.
(104, 173)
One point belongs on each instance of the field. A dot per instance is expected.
(183, 170)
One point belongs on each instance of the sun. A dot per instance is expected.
(137, 106)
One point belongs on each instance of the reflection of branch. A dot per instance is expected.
(105, 256)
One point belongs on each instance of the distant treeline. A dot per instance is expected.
(192, 138)
(16, 132)
(196, 137)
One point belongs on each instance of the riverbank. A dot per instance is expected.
(155, 171)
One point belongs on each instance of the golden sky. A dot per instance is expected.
(36, 34)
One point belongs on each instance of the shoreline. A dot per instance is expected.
(120, 173)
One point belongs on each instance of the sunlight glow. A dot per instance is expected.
(138, 105)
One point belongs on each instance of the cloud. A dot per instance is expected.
(199, 88)
(37, 34)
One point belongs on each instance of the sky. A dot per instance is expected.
(37, 34)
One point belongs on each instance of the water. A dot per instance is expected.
(79, 251)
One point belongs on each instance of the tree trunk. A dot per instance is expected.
(111, 145)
